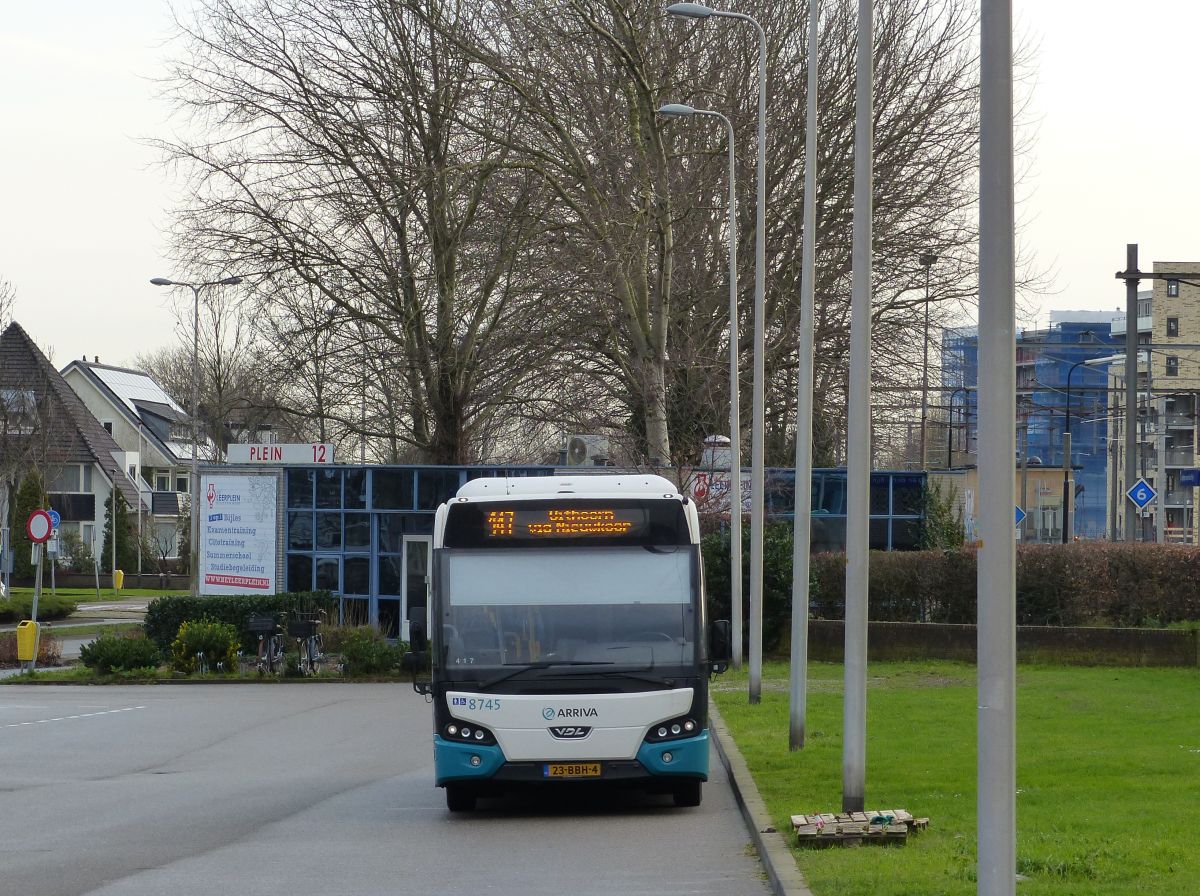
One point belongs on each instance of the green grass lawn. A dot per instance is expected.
(106, 594)
(1108, 761)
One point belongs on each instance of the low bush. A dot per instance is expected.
(50, 606)
(165, 615)
(49, 649)
(120, 653)
(364, 650)
(218, 641)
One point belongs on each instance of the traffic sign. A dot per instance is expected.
(1189, 478)
(55, 519)
(1020, 516)
(1141, 494)
(39, 527)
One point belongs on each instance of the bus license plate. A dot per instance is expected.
(571, 770)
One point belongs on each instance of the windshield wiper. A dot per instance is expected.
(545, 664)
(623, 673)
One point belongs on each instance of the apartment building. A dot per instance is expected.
(1168, 383)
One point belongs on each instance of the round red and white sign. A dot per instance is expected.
(39, 527)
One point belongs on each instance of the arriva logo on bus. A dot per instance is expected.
(571, 713)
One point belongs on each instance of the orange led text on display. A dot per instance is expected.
(563, 523)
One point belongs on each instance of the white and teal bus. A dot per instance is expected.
(569, 639)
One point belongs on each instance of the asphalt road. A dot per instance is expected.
(313, 788)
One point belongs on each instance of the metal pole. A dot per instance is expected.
(195, 502)
(1131, 378)
(138, 483)
(362, 423)
(735, 414)
(40, 551)
(927, 260)
(996, 738)
(1025, 476)
(802, 518)
(758, 423)
(858, 431)
(112, 525)
(1067, 489)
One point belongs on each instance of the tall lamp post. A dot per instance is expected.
(927, 261)
(758, 414)
(679, 110)
(196, 288)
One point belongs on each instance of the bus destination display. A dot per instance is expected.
(564, 522)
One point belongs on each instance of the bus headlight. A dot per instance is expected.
(468, 733)
(672, 729)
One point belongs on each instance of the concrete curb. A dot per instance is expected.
(777, 859)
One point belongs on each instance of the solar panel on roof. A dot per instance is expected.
(130, 387)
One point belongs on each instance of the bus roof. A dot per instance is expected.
(587, 486)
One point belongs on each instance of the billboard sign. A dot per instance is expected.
(237, 534)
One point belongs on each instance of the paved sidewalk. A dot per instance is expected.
(777, 859)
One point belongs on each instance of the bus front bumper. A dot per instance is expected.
(463, 762)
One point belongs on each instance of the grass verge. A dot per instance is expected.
(1106, 762)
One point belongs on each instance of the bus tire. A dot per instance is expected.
(687, 793)
(459, 798)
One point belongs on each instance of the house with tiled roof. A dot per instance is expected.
(44, 425)
(148, 424)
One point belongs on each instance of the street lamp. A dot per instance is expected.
(758, 414)
(679, 110)
(195, 481)
(927, 261)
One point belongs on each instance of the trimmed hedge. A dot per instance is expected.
(1080, 584)
(50, 606)
(165, 615)
(120, 653)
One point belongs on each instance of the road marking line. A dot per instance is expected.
(86, 715)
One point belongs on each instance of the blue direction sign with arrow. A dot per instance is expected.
(1141, 493)
(1020, 516)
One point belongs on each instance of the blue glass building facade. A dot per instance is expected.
(1048, 361)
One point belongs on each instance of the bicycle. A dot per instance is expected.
(269, 658)
(308, 642)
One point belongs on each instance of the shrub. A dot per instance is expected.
(20, 606)
(364, 651)
(49, 649)
(165, 615)
(120, 653)
(218, 641)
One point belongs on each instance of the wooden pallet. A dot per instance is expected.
(855, 828)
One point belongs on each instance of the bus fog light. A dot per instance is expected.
(476, 761)
(667, 757)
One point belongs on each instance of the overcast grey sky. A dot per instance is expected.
(83, 204)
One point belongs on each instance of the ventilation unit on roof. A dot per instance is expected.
(587, 451)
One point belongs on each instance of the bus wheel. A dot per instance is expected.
(687, 793)
(460, 798)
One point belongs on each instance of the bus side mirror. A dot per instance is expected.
(416, 660)
(720, 645)
(418, 636)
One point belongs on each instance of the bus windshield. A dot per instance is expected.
(631, 606)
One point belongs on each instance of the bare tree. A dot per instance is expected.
(641, 200)
(331, 156)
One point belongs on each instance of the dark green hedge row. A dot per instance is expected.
(165, 615)
(50, 606)
(1087, 583)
